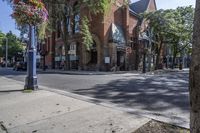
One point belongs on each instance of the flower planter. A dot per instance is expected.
(30, 12)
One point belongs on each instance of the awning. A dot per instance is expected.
(117, 35)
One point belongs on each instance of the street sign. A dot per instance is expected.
(107, 60)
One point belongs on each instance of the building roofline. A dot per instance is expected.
(134, 13)
(150, 3)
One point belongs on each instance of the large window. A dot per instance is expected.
(76, 10)
(76, 23)
(68, 24)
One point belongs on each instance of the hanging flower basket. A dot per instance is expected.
(31, 12)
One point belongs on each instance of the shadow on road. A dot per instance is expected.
(158, 93)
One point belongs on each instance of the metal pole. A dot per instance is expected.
(6, 52)
(31, 79)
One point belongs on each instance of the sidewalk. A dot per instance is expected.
(73, 72)
(48, 112)
(76, 72)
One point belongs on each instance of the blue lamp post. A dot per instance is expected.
(35, 15)
(31, 79)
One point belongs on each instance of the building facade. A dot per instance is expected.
(116, 39)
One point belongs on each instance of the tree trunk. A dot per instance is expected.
(53, 49)
(137, 43)
(66, 38)
(175, 52)
(137, 56)
(195, 75)
(158, 56)
(44, 62)
(173, 60)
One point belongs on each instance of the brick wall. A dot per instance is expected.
(101, 27)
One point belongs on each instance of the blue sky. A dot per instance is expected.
(8, 24)
(168, 4)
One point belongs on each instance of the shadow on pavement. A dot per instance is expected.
(159, 93)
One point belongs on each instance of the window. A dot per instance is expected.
(68, 24)
(76, 10)
(76, 23)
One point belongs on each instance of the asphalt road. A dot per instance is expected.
(162, 96)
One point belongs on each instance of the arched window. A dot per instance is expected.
(76, 10)
(68, 19)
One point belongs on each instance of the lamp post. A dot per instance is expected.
(6, 65)
(31, 79)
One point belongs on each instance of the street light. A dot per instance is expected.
(6, 65)
(31, 79)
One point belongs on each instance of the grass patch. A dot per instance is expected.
(27, 91)
(160, 127)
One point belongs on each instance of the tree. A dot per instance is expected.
(180, 33)
(194, 86)
(159, 23)
(2, 37)
(14, 45)
(173, 27)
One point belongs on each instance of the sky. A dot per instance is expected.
(8, 24)
(172, 4)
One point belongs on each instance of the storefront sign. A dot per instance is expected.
(107, 60)
(72, 52)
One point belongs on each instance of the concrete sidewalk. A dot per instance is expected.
(76, 72)
(48, 112)
(106, 73)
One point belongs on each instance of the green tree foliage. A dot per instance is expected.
(179, 35)
(85, 31)
(14, 45)
(158, 23)
(172, 27)
(98, 6)
(2, 37)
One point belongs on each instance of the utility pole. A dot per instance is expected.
(31, 79)
(6, 52)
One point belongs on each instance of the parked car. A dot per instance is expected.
(20, 65)
(2, 64)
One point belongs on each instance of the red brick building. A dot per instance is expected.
(115, 35)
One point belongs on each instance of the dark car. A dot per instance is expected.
(20, 65)
(2, 64)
